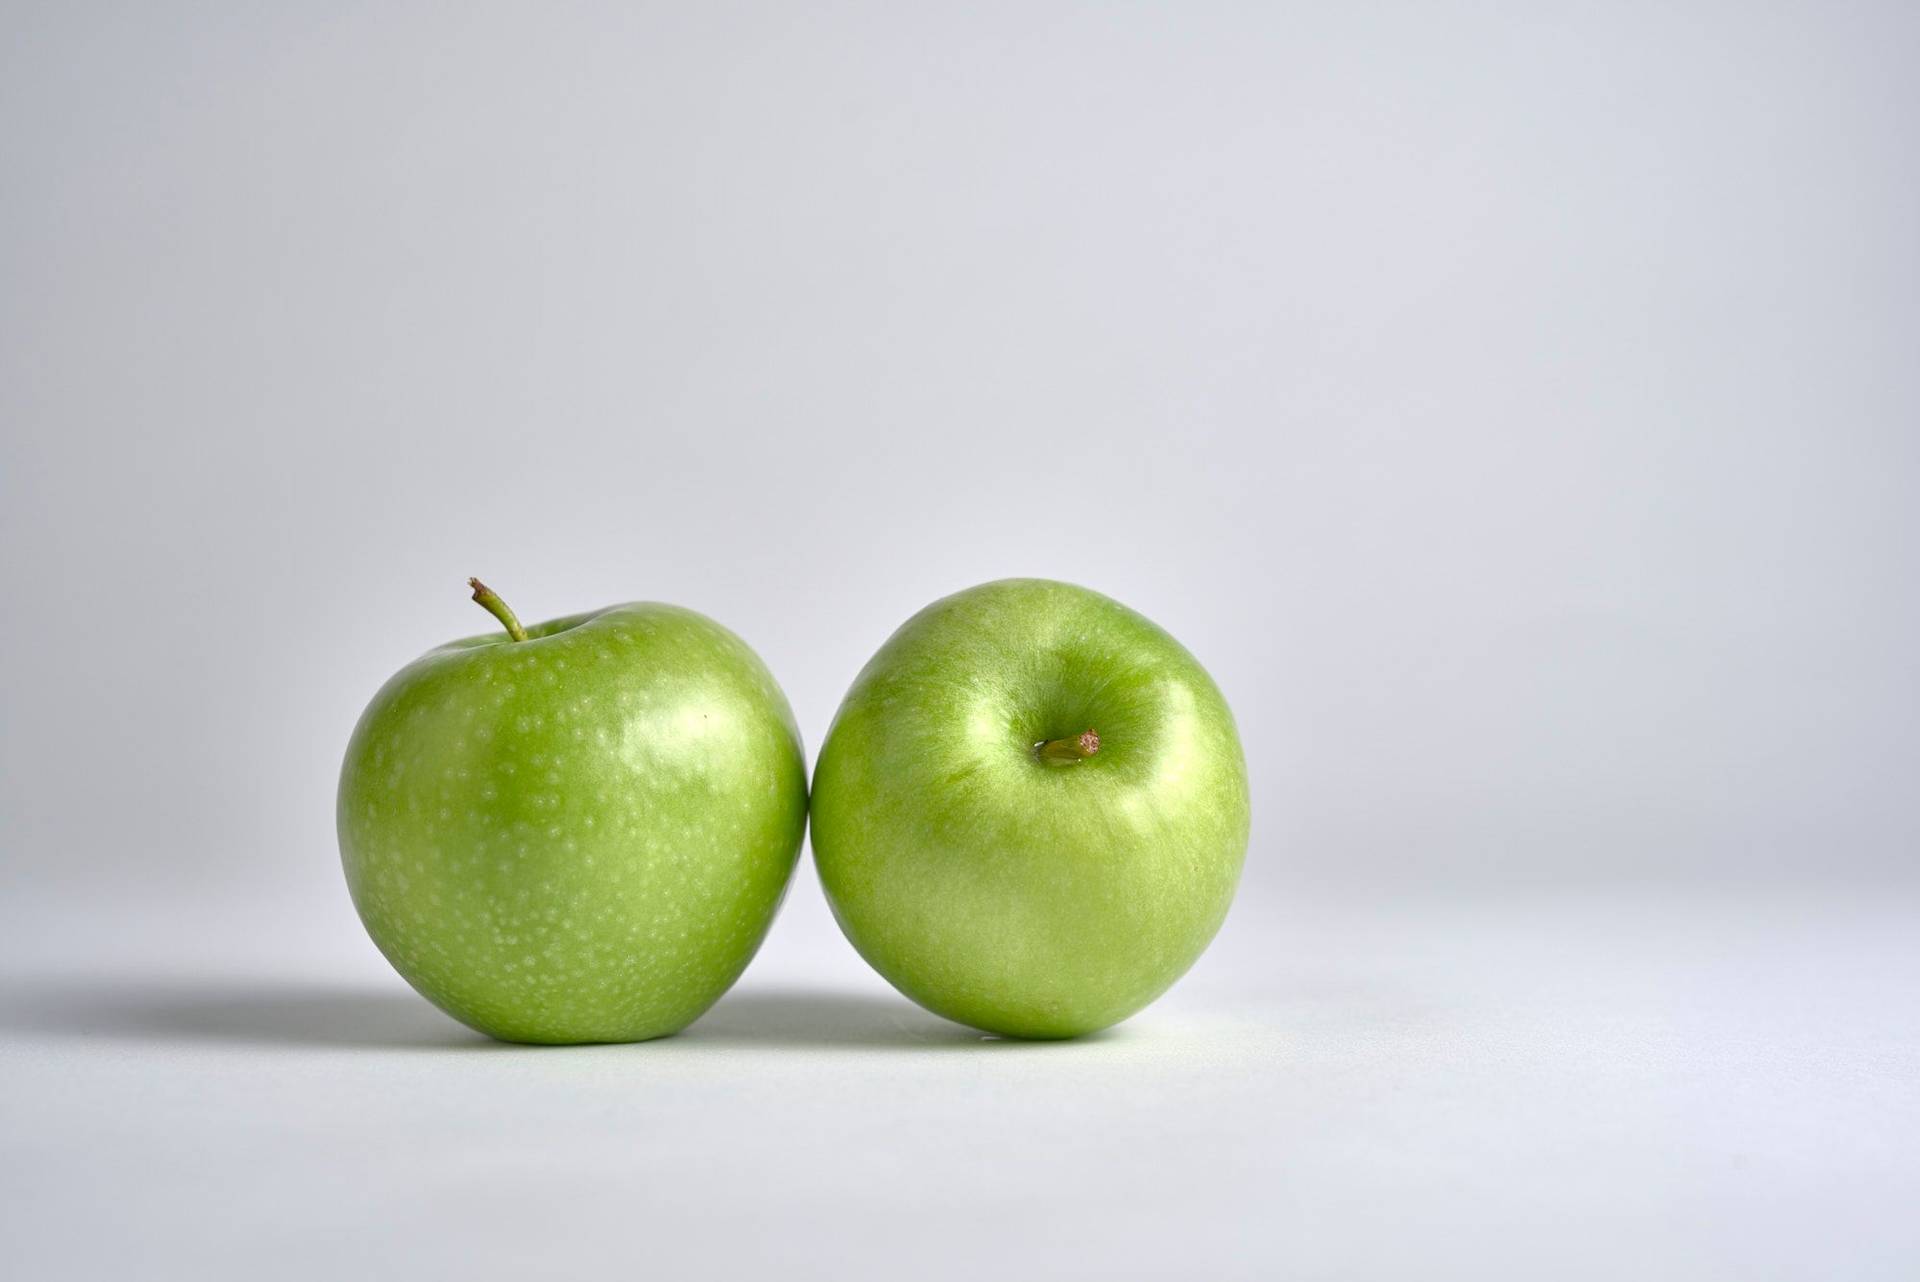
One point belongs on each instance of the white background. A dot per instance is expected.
(1514, 407)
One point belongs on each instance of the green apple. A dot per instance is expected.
(579, 831)
(1031, 810)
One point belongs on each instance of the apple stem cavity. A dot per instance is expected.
(490, 599)
(1069, 751)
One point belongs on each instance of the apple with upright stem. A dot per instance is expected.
(578, 831)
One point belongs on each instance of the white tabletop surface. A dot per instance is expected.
(1566, 1084)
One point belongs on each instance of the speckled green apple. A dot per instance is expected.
(1031, 810)
(578, 831)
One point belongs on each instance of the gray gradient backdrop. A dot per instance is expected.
(1514, 406)
(1516, 410)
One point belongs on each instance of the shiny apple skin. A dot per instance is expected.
(1022, 896)
(580, 837)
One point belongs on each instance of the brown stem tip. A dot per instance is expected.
(1068, 751)
(491, 602)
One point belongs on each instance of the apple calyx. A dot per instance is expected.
(491, 601)
(1069, 751)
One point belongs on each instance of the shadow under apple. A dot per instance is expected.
(250, 1013)
(804, 1017)
(294, 1014)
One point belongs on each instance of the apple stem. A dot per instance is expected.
(1068, 751)
(490, 599)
